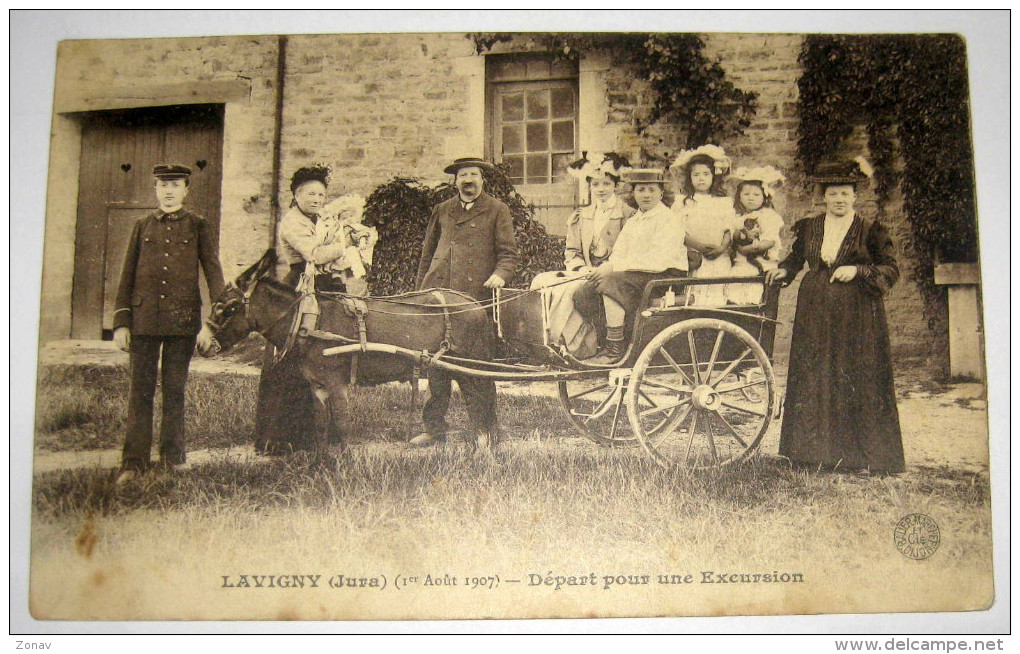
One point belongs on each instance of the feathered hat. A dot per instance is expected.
(717, 154)
(767, 176)
(318, 172)
(856, 171)
(595, 165)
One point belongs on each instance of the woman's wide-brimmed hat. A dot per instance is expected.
(315, 173)
(467, 162)
(645, 176)
(855, 171)
(714, 152)
(767, 176)
(596, 165)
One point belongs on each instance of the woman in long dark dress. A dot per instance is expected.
(840, 400)
(284, 415)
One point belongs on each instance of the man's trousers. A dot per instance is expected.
(145, 356)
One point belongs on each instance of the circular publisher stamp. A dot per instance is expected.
(916, 536)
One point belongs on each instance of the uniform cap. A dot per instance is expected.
(171, 171)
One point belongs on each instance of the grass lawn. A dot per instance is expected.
(512, 536)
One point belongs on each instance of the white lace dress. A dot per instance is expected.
(708, 218)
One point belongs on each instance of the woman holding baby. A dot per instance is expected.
(327, 237)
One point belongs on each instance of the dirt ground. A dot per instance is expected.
(944, 425)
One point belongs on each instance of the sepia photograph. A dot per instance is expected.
(396, 321)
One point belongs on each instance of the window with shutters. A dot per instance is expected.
(532, 126)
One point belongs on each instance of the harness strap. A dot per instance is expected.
(497, 310)
(328, 336)
(360, 310)
(444, 346)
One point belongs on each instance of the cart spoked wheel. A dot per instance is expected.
(597, 408)
(713, 390)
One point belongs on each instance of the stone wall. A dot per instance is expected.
(375, 106)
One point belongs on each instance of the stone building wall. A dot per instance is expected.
(377, 106)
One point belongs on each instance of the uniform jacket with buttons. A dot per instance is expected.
(463, 248)
(158, 293)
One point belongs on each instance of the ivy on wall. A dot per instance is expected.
(400, 209)
(911, 93)
(690, 92)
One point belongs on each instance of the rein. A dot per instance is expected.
(450, 308)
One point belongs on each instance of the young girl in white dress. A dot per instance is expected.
(709, 217)
(757, 243)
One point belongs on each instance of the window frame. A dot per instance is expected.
(502, 89)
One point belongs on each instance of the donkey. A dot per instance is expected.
(255, 302)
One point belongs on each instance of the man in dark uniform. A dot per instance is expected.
(158, 314)
(469, 247)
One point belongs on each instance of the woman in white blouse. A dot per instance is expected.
(299, 243)
(284, 414)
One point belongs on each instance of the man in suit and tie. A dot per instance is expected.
(469, 247)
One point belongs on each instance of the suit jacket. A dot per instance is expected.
(866, 246)
(158, 293)
(463, 248)
(578, 249)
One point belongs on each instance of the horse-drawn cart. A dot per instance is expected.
(696, 383)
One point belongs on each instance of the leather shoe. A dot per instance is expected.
(426, 439)
(125, 477)
(610, 354)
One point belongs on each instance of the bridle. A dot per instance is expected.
(228, 310)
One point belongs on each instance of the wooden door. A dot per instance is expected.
(119, 149)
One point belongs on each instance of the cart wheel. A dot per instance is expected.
(596, 408)
(716, 385)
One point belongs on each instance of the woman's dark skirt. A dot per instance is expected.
(285, 413)
(840, 399)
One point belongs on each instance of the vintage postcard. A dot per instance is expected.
(712, 300)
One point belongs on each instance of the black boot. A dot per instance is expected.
(608, 355)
